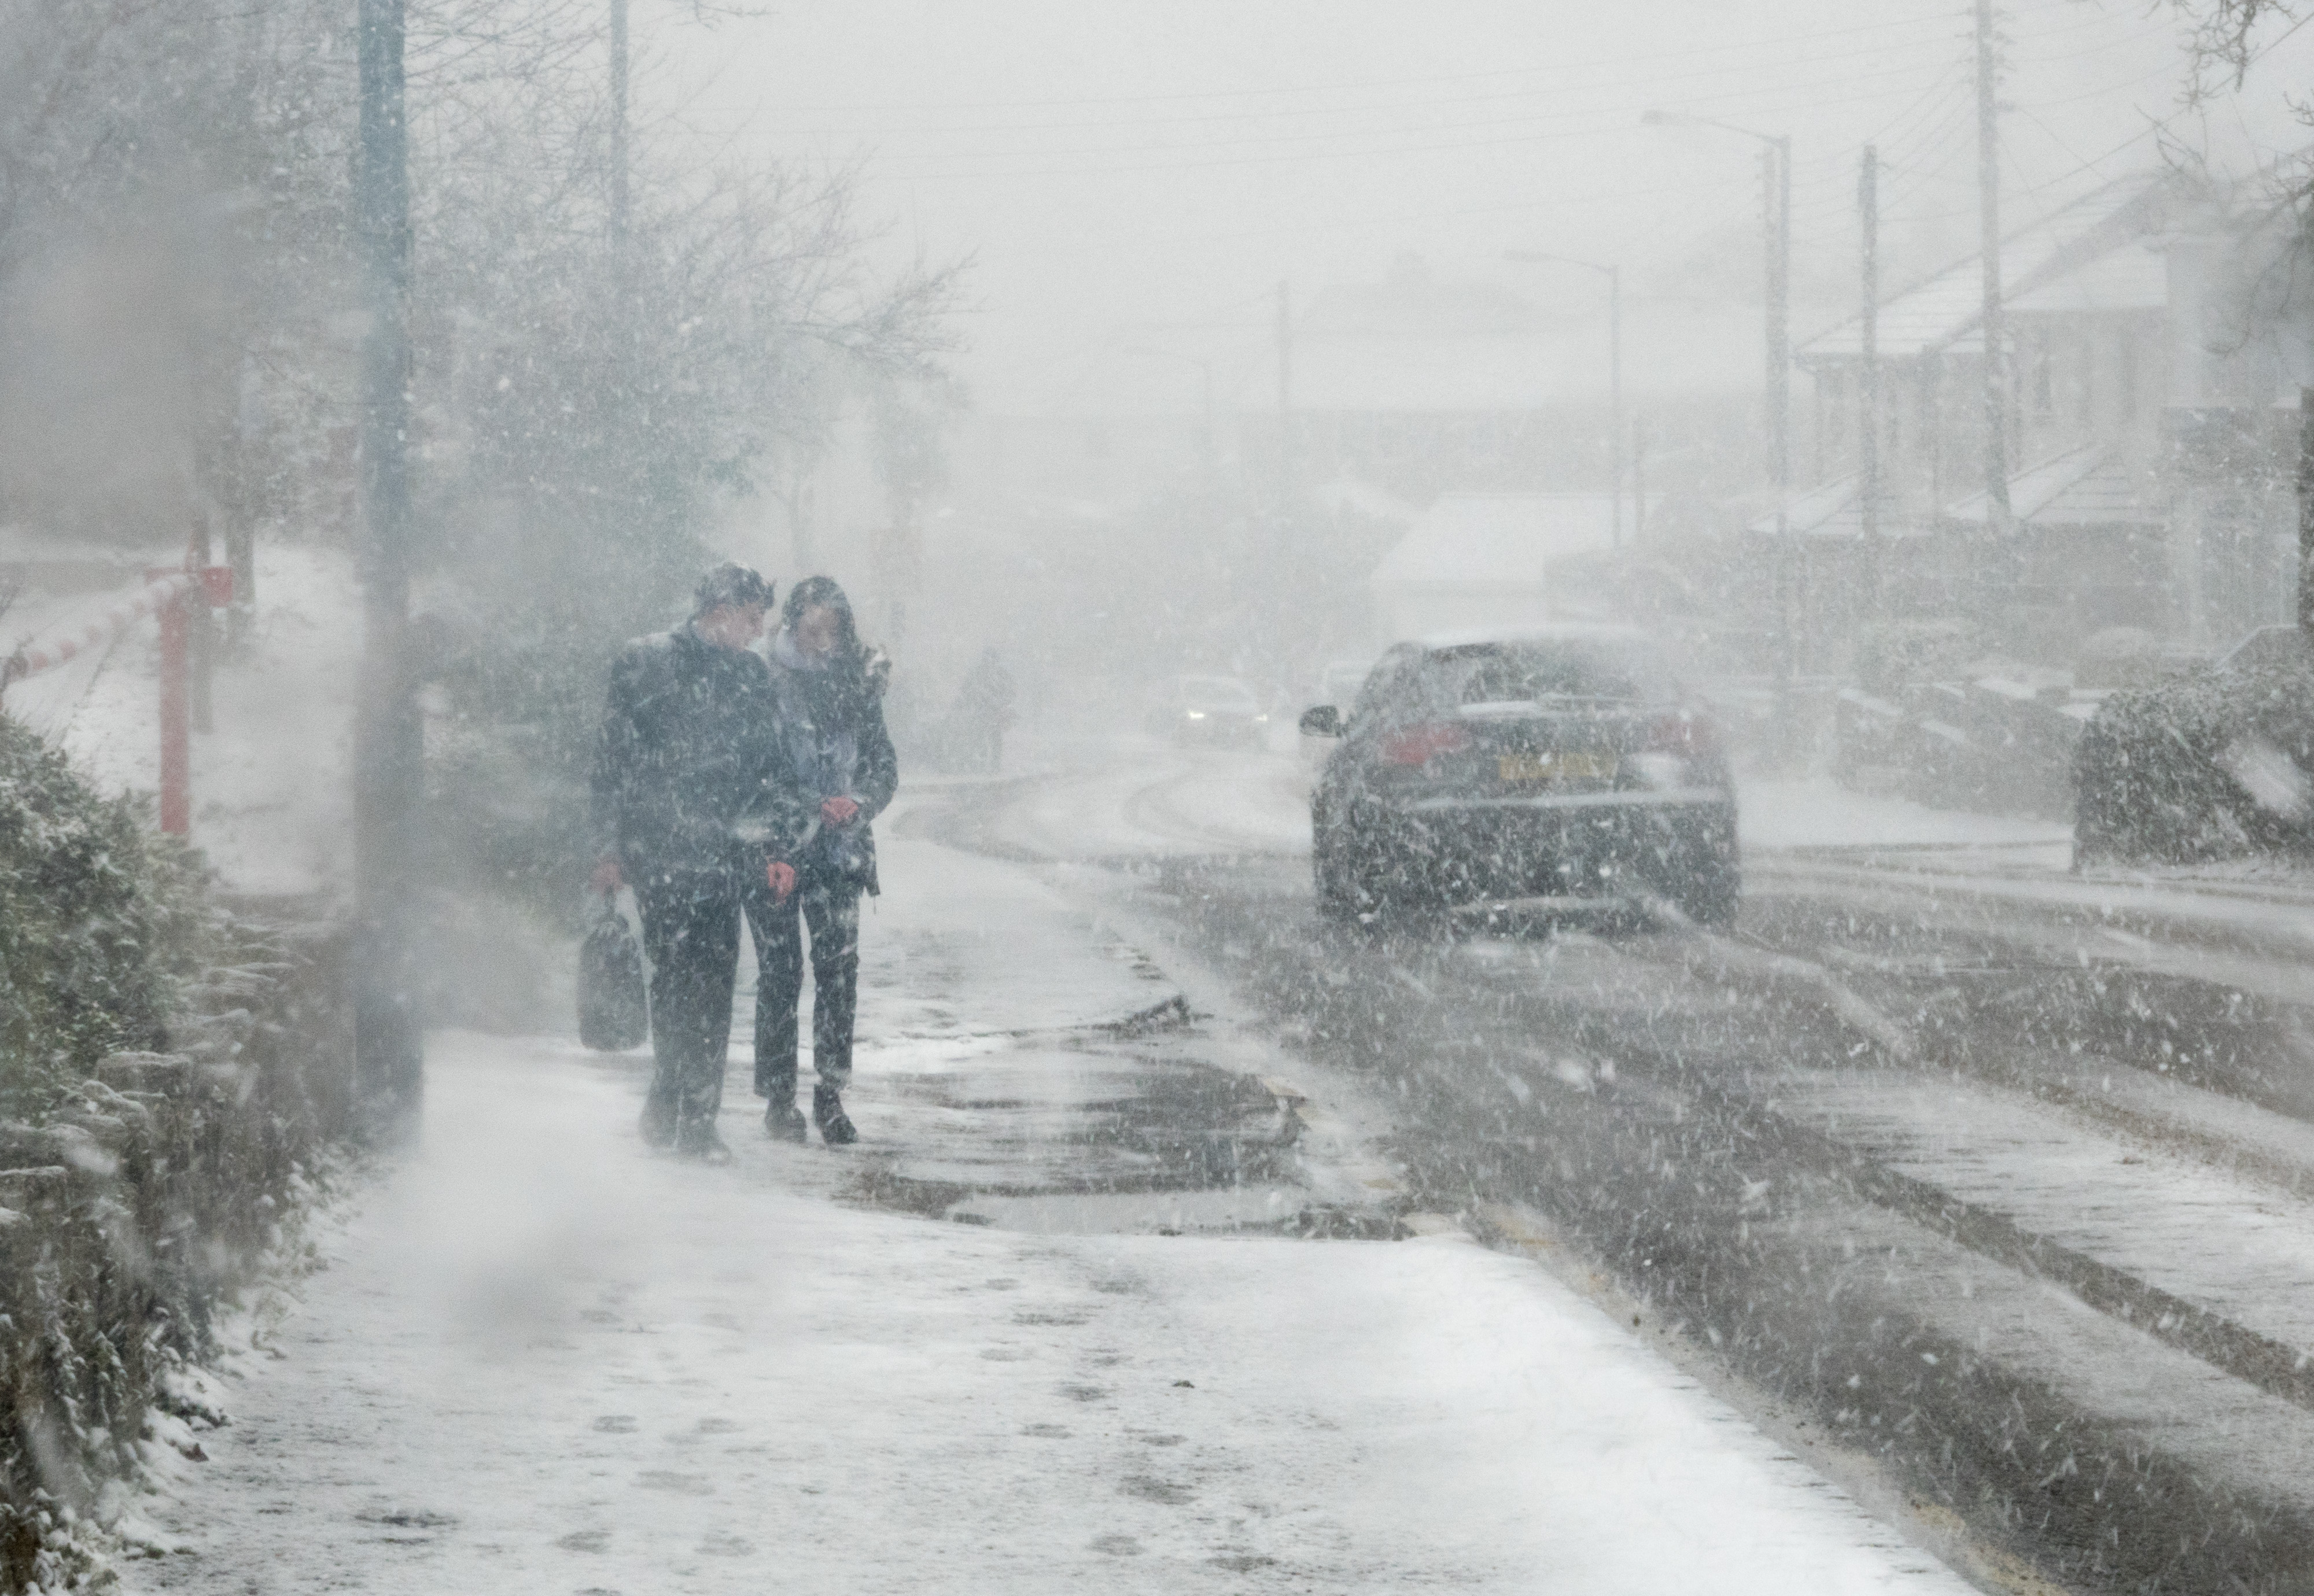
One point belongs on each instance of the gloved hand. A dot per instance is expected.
(782, 880)
(838, 811)
(606, 877)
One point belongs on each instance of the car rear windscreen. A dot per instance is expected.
(1543, 672)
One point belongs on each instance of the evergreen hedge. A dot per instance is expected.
(100, 918)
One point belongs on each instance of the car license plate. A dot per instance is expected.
(1553, 770)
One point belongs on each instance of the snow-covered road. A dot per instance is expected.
(542, 1360)
(1995, 1172)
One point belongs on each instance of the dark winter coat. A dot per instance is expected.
(830, 716)
(690, 772)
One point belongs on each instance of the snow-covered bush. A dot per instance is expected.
(2205, 767)
(172, 1077)
(98, 918)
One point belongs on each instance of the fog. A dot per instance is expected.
(1168, 795)
(1144, 175)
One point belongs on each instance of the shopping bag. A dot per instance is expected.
(614, 1008)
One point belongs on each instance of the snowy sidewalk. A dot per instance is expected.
(543, 1360)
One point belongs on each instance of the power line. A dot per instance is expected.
(911, 130)
(1599, 130)
(1571, 67)
(1621, 124)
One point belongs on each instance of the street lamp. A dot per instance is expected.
(1614, 276)
(1777, 156)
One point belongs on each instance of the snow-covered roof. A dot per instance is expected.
(1942, 314)
(2089, 486)
(1364, 498)
(1499, 540)
(1557, 631)
(2134, 277)
(1833, 509)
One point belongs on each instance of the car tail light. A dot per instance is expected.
(1420, 744)
(1687, 734)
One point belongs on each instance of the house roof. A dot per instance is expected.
(2089, 486)
(1942, 314)
(2134, 276)
(1498, 540)
(1834, 508)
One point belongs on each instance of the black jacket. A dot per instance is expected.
(832, 732)
(689, 773)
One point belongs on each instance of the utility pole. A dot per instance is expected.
(1778, 159)
(1776, 189)
(1867, 387)
(619, 131)
(1988, 184)
(389, 1046)
(1639, 482)
(1776, 204)
(2306, 513)
(1209, 444)
(1615, 389)
(1284, 407)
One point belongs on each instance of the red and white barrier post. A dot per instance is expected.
(209, 586)
(165, 593)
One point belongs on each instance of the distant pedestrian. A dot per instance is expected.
(829, 691)
(984, 711)
(688, 763)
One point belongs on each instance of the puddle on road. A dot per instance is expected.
(1117, 1130)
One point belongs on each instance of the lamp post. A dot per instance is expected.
(1614, 276)
(389, 768)
(1776, 160)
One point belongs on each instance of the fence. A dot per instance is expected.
(169, 596)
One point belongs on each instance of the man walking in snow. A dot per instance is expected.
(691, 778)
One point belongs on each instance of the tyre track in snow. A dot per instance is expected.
(2102, 1426)
(1780, 1143)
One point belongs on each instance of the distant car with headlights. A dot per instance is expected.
(1212, 711)
(1553, 765)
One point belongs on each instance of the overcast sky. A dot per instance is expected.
(1139, 174)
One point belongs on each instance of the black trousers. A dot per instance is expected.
(830, 910)
(691, 935)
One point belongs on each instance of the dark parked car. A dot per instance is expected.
(1210, 710)
(1555, 765)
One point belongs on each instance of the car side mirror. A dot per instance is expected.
(1324, 721)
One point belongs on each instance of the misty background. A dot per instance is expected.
(997, 315)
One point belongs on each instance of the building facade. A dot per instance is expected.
(2155, 341)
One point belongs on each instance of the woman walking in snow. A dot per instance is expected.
(829, 694)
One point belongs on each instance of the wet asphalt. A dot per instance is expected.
(1866, 1152)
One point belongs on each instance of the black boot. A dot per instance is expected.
(657, 1124)
(696, 1139)
(783, 1121)
(828, 1113)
